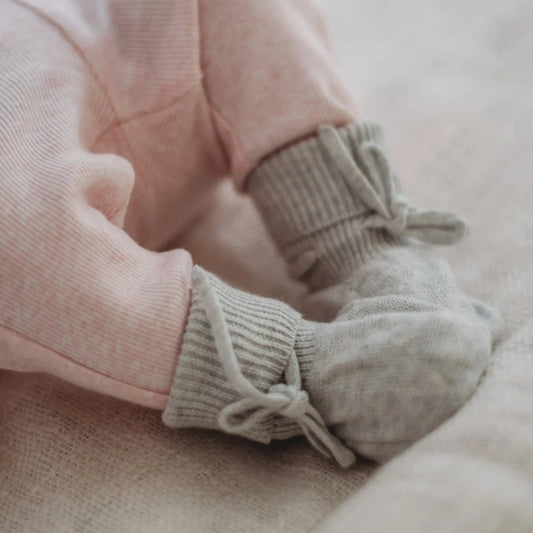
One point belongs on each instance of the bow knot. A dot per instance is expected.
(396, 221)
(369, 178)
(297, 400)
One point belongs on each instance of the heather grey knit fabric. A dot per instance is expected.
(384, 373)
(332, 201)
(242, 367)
(335, 208)
(410, 347)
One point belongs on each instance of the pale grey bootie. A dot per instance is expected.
(336, 210)
(242, 369)
(252, 366)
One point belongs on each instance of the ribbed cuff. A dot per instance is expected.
(309, 208)
(263, 334)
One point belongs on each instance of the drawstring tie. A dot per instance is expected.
(378, 190)
(288, 400)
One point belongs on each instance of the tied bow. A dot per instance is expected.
(288, 400)
(377, 187)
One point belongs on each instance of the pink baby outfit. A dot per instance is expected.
(117, 119)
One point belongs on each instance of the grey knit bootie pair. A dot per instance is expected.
(402, 350)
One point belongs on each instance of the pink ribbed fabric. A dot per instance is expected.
(117, 118)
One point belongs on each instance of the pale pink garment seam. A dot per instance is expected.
(144, 114)
(213, 111)
(91, 370)
(119, 122)
(236, 139)
(197, 83)
(67, 37)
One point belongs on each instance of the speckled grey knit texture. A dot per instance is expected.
(307, 204)
(263, 332)
(333, 200)
(390, 368)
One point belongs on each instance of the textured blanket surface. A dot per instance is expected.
(451, 83)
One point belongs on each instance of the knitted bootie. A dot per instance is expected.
(242, 367)
(252, 366)
(335, 208)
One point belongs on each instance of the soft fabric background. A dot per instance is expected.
(451, 83)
